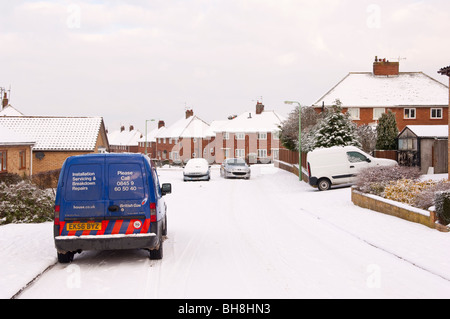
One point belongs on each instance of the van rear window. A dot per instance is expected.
(126, 181)
(84, 182)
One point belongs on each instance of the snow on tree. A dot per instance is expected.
(289, 128)
(387, 132)
(336, 129)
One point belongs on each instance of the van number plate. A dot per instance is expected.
(83, 226)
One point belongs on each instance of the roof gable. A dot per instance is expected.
(57, 133)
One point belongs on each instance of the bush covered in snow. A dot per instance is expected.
(407, 191)
(23, 202)
(442, 204)
(373, 180)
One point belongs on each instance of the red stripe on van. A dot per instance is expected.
(130, 228)
(117, 227)
(146, 227)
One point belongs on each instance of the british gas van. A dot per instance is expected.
(339, 165)
(109, 202)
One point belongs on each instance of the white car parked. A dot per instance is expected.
(197, 169)
(339, 165)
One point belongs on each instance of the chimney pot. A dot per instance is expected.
(5, 101)
(161, 124)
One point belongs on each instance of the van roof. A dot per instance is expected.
(335, 149)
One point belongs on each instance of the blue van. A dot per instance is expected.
(109, 202)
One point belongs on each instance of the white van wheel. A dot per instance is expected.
(324, 184)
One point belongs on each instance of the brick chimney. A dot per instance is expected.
(161, 124)
(122, 128)
(383, 67)
(5, 101)
(189, 113)
(131, 128)
(259, 108)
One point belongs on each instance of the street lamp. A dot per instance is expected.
(299, 136)
(146, 121)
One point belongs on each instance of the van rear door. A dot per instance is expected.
(127, 194)
(83, 190)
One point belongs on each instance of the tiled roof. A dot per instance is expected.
(57, 133)
(406, 89)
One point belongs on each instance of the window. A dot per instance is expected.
(262, 153)
(240, 136)
(226, 152)
(226, 136)
(262, 136)
(377, 112)
(355, 157)
(436, 113)
(353, 113)
(409, 114)
(276, 135)
(407, 144)
(22, 159)
(3, 161)
(239, 153)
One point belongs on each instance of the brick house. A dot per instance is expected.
(124, 140)
(185, 139)
(57, 138)
(446, 71)
(251, 135)
(150, 139)
(15, 153)
(414, 97)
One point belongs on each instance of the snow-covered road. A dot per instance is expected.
(268, 237)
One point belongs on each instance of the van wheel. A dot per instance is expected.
(156, 254)
(164, 231)
(66, 258)
(324, 184)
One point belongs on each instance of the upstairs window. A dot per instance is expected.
(436, 113)
(409, 113)
(3, 161)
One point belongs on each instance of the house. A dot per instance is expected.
(147, 144)
(57, 138)
(414, 97)
(15, 153)
(446, 71)
(185, 139)
(123, 140)
(425, 146)
(253, 135)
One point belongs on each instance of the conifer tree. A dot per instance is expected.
(336, 129)
(387, 132)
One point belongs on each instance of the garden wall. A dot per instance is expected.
(397, 209)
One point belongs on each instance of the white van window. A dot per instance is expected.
(355, 157)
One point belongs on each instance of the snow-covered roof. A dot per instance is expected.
(429, 131)
(10, 137)
(368, 90)
(10, 111)
(250, 122)
(192, 127)
(57, 133)
(124, 137)
(151, 136)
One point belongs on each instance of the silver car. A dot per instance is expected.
(235, 167)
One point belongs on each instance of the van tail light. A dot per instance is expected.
(57, 210)
(152, 212)
(309, 170)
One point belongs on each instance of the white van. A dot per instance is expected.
(339, 165)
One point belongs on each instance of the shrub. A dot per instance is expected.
(373, 180)
(47, 179)
(426, 198)
(25, 203)
(442, 200)
(406, 190)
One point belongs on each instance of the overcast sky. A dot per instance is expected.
(129, 61)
